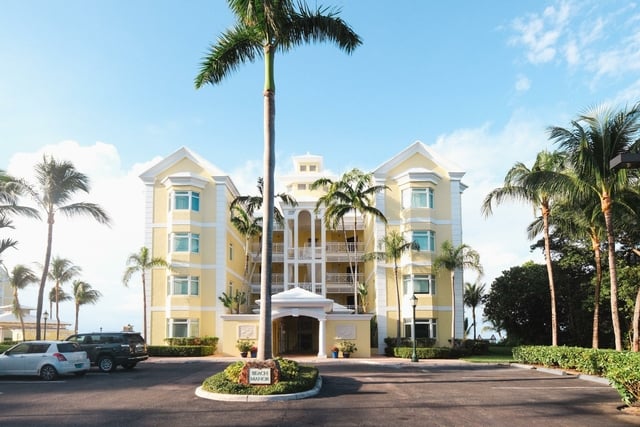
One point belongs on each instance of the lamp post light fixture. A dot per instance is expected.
(625, 161)
(45, 316)
(414, 302)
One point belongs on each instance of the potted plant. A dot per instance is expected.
(334, 351)
(254, 351)
(244, 346)
(347, 347)
(227, 301)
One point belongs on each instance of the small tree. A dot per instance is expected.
(20, 277)
(473, 298)
(83, 294)
(453, 258)
(62, 270)
(139, 263)
(393, 245)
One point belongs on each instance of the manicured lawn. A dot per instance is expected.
(497, 354)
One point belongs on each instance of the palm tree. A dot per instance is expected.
(83, 293)
(353, 193)
(20, 277)
(250, 227)
(243, 209)
(59, 295)
(578, 219)
(393, 246)
(473, 298)
(252, 204)
(523, 184)
(454, 258)
(139, 263)
(363, 294)
(58, 182)
(62, 271)
(262, 28)
(594, 139)
(10, 191)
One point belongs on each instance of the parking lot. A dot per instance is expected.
(355, 392)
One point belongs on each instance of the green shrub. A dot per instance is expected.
(289, 369)
(180, 341)
(390, 343)
(622, 369)
(226, 381)
(180, 351)
(426, 353)
(233, 371)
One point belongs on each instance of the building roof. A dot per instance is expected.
(454, 170)
(150, 174)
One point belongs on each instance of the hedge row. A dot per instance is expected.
(181, 350)
(213, 341)
(621, 368)
(428, 352)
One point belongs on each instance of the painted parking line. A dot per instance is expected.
(554, 387)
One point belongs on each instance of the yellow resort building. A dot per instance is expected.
(315, 303)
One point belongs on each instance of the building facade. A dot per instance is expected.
(323, 291)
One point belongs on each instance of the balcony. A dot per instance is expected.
(334, 252)
(337, 283)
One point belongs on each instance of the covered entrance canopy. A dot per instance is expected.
(298, 303)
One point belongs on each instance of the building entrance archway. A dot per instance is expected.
(296, 335)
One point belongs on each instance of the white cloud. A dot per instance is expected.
(540, 33)
(99, 250)
(487, 155)
(523, 84)
(572, 53)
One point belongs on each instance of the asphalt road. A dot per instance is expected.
(355, 392)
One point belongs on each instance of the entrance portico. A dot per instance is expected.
(298, 302)
(302, 322)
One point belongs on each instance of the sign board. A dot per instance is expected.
(259, 376)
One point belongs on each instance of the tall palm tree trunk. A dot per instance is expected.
(395, 275)
(473, 317)
(355, 262)
(636, 323)
(613, 273)
(265, 346)
(45, 270)
(595, 342)
(453, 309)
(19, 312)
(552, 287)
(144, 304)
(75, 329)
(57, 310)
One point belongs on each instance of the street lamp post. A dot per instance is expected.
(414, 302)
(45, 316)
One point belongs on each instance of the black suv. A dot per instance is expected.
(107, 350)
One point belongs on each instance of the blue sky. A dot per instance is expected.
(109, 85)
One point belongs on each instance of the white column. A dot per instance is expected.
(322, 339)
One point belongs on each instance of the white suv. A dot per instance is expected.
(47, 359)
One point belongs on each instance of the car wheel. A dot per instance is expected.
(129, 365)
(48, 373)
(105, 364)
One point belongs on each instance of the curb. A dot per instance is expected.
(259, 398)
(553, 371)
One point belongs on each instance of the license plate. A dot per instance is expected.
(78, 365)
